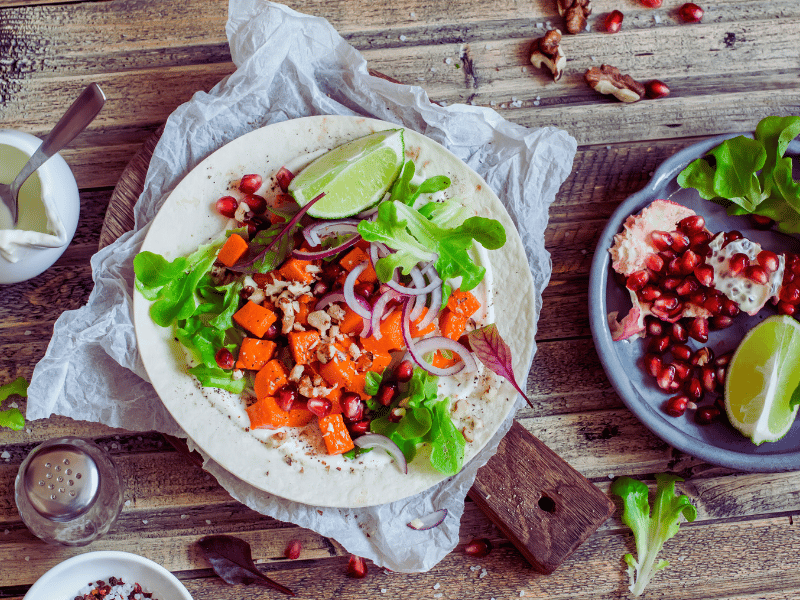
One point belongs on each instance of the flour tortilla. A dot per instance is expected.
(215, 420)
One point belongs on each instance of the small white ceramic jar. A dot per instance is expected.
(48, 216)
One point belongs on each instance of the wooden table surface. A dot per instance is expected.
(740, 64)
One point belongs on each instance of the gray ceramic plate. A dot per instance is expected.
(718, 443)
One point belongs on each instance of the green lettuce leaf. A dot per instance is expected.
(12, 417)
(650, 529)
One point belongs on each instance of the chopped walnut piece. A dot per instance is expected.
(296, 373)
(320, 320)
(325, 352)
(608, 80)
(546, 52)
(575, 13)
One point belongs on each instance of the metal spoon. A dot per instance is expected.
(78, 116)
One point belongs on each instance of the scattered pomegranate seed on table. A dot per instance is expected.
(293, 548)
(656, 89)
(613, 21)
(479, 547)
(356, 567)
(691, 13)
(651, 3)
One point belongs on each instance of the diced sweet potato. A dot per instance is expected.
(345, 375)
(414, 325)
(267, 414)
(306, 303)
(232, 250)
(452, 324)
(391, 335)
(255, 353)
(270, 379)
(294, 269)
(303, 344)
(352, 322)
(355, 257)
(334, 432)
(255, 318)
(463, 303)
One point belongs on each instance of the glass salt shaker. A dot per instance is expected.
(68, 491)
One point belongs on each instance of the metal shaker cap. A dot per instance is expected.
(61, 482)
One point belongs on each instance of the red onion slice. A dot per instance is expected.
(315, 254)
(321, 229)
(375, 440)
(350, 294)
(425, 345)
(328, 300)
(420, 289)
(428, 521)
(433, 309)
(378, 309)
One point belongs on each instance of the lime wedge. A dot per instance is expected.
(353, 176)
(762, 376)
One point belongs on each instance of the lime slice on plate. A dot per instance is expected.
(353, 176)
(762, 376)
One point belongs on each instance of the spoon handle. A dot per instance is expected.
(75, 120)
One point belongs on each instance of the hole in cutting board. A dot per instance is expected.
(547, 504)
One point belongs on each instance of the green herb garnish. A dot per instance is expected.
(752, 175)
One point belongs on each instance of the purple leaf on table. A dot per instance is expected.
(231, 559)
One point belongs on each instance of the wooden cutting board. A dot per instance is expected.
(544, 506)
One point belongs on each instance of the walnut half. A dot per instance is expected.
(546, 52)
(575, 13)
(608, 80)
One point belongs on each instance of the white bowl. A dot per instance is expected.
(65, 580)
(59, 191)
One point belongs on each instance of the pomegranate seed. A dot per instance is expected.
(293, 548)
(479, 547)
(257, 204)
(761, 222)
(227, 205)
(356, 567)
(694, 388)
(698, 330)
(666, 376)
(708, 377)
(689, 261)
(661, 240)
(284, 177)
(682, 370)
(700, 238)
(613, 21)
(360, 428)
(649, 293)
(386, 393)
(659, 345)
(698, 298)
(396, 414)
(286, 397)
(250, 184)
(251, 225)
(319, 406)
(731, 236)
(720, 373)
(790, 293)
(656, 89)
(224, 358)
(730, 307)
(271, 333)
(404, 371)
(692, 225)
(768, 260)
(756, 274)
(667, 254)
(653, 326)
(637, 280)
(681, 352)
(652, 364)
(654, 262)
(352, 407)
(723, 359)
(666, 302)
(676, 406)
(691, 13)
(713, 305)
(704, 274)
(688, 286)
(720, 322)
(679, 333)
(737, 263)
(651, 3)
(676, 313)
(680, 241)
(706, 415)
(702, 356)
(784, 308)
(670, 283)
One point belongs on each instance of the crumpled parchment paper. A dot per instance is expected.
(292, 65)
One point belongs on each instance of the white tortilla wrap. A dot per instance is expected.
(216, 421)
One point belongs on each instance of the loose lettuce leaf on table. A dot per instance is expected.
(12, 417)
